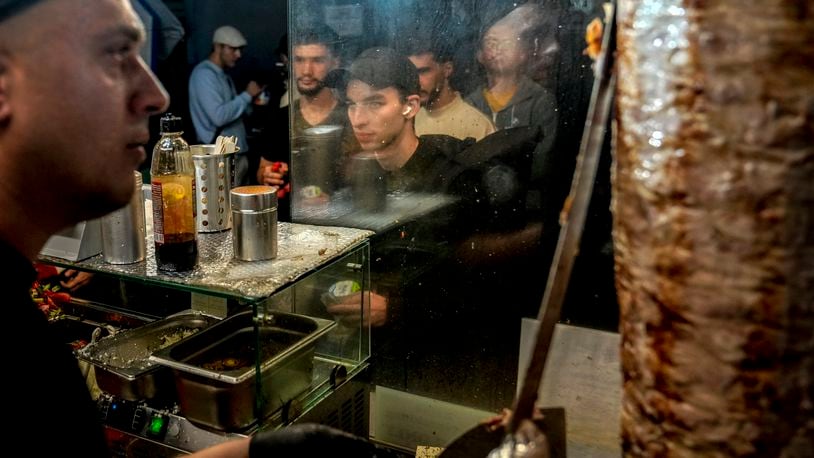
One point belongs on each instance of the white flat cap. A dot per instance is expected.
(229, 36)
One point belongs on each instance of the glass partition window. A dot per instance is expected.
(451, 130)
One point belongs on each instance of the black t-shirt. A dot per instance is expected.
(407, 259)
(278, 141)
(51, 411)
(434, 169)
(414, 263)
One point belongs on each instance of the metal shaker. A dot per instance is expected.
(368, 183)
(213, 180)
(124, 230)
(254, 214)
(315, 167)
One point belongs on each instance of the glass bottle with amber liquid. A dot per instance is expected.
(172, 175)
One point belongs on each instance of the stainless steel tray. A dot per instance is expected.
(215, 370)
(122, 361)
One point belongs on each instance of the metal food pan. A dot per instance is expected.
(122, 361)
(215, 370)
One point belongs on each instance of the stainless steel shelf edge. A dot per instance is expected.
(302, 248)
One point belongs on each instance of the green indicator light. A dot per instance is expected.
(156, 425)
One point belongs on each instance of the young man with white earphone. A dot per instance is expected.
(422, 281)
(383, 96)
(383, 100)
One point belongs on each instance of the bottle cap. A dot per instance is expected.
(170, 123)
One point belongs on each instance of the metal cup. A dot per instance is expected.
(213, 181)
(315, 165)
(124, 230)
(368, 183)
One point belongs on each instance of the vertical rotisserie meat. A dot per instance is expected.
(714, 227)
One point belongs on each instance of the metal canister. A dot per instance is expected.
(124, 230)
(254, 214)
(315, 166)
(213, 181)
(368, 183)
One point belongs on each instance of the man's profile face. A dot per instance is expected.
(432, 76)
(81, 101)
(229, 55)
(312, 63)
(377, 118)
(502, 51)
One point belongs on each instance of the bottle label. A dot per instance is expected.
(158, 212)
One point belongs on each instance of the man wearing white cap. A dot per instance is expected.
(214, 105)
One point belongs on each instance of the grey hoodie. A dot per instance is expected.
(531, 105)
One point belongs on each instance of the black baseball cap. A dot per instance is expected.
(9, 8)
(384, 67)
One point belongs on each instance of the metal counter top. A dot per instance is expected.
(301, 249)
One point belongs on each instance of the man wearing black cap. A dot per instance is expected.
(428, 274)
(75, 97)
(383, 99)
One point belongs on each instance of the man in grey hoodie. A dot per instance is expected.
(509, 97)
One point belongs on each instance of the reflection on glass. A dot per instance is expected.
(472, 111)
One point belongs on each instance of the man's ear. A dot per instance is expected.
(448, 68)
(5, 86)
(411, 106)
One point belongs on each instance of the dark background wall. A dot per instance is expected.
(263, 22)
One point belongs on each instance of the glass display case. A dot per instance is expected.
(254, 345)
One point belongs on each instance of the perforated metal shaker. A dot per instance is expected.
(213, 180)
(254, 215)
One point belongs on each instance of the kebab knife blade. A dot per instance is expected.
(571, 232)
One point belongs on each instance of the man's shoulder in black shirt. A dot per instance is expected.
(54, 414)
(433, 166)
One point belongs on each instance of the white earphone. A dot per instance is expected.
(406, 111)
